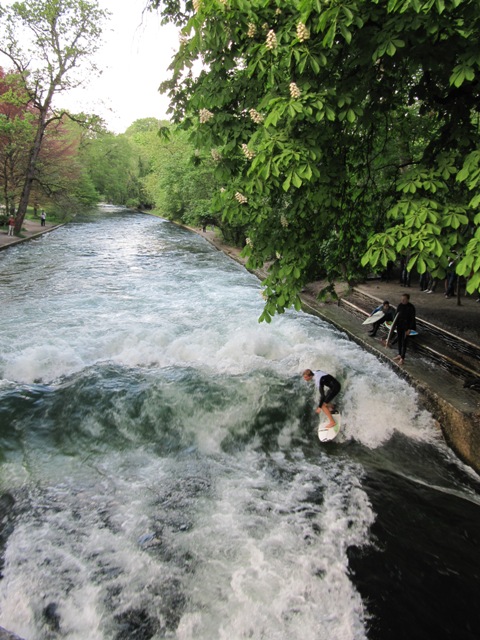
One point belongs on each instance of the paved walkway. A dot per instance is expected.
(30, 229)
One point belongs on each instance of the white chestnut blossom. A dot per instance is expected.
(205, 115)
(240, 198)
(294, 90)
(252, 30)
(271, 41)
(247, 152)
(302, 32)
(255, 116)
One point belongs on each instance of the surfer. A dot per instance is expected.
(388, 315)
(324, 380)
(405, 321)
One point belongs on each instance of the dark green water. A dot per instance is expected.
(160, 473)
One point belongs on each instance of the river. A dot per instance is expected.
(160, 472)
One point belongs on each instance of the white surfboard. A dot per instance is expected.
(325, 435)
(391, 330)
(375, 317)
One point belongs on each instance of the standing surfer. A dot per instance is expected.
(324, 380)
(405, 321)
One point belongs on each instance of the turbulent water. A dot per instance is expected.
(160, 473)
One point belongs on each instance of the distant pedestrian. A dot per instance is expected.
(404, 273)
(43, 217)
(386, 275)
(431, 285)
(423, 282)
(11, 225)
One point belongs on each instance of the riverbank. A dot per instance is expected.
(30, 229)
(455, 407)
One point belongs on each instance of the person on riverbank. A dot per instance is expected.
(43, 217)
(328, 387)
(405, 321)
(450, 279)
(404, 272)
(388, 315)
(11, 225)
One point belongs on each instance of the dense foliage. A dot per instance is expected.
(177, 180)
(344, 133)
(61, 182)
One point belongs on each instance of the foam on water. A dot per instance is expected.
(141, 332)
(159, 445)
(240, 546)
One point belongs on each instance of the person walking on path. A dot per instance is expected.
(405, 321)
(43, 217)
(322, 380)
(11, 225)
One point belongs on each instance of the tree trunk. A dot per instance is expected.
(32, 166)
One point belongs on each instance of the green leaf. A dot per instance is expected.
(346, 33)
(296, 180)
(314, 65)
(265, 317)
(391, 49)
(330, 113)
(351, 117)
(330, 35)
(411, 262)
(473, 284)
(287, 181)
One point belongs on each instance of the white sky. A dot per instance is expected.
(134, 58)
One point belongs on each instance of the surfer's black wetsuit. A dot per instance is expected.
(405, 321)
(387, 316)
(323, 380)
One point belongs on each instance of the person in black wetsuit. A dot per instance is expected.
(324, 380)
(389, 314)
(405, 322)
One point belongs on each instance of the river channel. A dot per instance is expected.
(160, 475)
